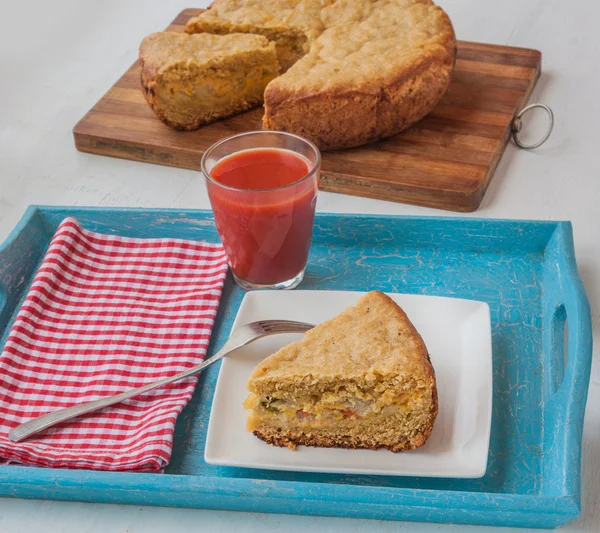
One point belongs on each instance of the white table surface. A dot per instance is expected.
(58, 58)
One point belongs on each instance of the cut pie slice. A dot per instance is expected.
(190, 80)
(360, 380)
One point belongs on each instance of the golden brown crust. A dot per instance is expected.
(428, 427)
(371, 340)
(291, 44)
(435, 403)
(374, 67)
(344, 120)
(289, 440)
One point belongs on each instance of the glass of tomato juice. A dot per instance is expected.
(263, 187)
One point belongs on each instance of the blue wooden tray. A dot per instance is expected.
(525, 271)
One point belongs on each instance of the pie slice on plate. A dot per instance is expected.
(360, 380)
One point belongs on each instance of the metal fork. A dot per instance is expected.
(242, 336)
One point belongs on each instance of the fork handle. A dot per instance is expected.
(36, 425)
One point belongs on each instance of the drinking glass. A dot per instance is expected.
(266, 232)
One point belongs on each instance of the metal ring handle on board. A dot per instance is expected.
(517, 124)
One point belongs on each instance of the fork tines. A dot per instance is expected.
(283, 325)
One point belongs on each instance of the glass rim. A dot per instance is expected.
(309, 174)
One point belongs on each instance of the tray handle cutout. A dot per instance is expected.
(569, 363)
(571, 358)
(560, 348)
(572, 323)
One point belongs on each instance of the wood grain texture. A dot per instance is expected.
(445, 161)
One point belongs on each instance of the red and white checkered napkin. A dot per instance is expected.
(105, 314)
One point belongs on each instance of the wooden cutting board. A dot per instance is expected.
(446, 161)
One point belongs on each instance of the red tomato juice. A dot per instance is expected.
(264, 212)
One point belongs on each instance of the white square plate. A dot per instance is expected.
(458, 336)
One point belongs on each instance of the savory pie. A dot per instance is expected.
(354, 70)
(360, 380)
(190, 80)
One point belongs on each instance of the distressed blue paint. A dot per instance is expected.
(524, 270)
